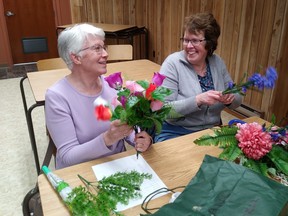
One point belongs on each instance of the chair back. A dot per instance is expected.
(120, 52)
(50, 64)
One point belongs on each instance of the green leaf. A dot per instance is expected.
(118, 112)
(222, 137)
(131, 101)
(145, 84)
(231, 153)
(257, 167)
(158, 125)
(280, 158)
(160, 93)
(125, 92)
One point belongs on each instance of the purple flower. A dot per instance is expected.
(257, 81)
(158, 79)
(115, 80)
(230, 85)
(123, 100)
(271, 77)
(267, 81)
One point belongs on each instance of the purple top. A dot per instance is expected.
(71, 122)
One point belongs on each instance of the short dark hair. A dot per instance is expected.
(207, 23)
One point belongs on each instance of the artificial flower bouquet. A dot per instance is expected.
(139, 103)
(260, 148)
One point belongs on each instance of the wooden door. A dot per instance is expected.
(31, 29)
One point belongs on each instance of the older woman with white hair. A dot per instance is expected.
(69, 109)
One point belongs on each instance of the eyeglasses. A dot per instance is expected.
(194, 42)
(97, 48)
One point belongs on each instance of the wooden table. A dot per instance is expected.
(42, 80)
(117, 31)
(175, 161)
(107, 28)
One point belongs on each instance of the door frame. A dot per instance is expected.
(5, 55)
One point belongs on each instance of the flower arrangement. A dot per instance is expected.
(139, 103)
(256, 80)
(260, 148)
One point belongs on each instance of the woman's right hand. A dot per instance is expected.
(208, 98)
(116, 132)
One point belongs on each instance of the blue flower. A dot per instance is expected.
(256, 80)
(271, 77)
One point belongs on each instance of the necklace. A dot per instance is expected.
(202, 72)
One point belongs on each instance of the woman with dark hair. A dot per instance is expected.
(197, 77)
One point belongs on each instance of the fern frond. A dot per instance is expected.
(231, 153)
(257, 167)
(223, 137)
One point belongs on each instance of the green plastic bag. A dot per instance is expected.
(223, 188)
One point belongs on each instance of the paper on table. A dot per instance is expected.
(128, 164)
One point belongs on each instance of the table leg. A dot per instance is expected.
(28, 114)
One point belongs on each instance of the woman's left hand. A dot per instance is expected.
(143, 141)
(227, 98)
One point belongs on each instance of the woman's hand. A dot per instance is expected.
(227, 98)
(143, 141)
(208, 98)
(116, 132)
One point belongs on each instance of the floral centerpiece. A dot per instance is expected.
(260, 148)
(139, 103)
(263, 149)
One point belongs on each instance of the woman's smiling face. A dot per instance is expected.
(195, 53)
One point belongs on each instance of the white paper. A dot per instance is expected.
(128, 164)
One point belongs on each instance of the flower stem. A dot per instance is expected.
(135, 127)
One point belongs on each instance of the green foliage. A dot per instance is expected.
(223, 137)
(138, 112)
(280, 158)
(257, 166)
(276, 160)
(100, 198)
(231, 153)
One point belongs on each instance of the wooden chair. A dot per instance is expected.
(50, 64)
(120, 52)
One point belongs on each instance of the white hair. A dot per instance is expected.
(72, 39)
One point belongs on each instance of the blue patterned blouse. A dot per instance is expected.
(206, 82)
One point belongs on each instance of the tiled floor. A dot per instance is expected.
(16, 71)
(17, 171)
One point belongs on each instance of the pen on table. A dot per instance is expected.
(136, 129)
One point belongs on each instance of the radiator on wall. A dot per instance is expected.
(245, 111)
